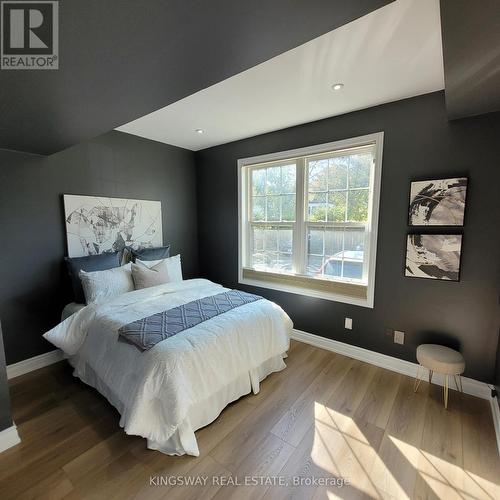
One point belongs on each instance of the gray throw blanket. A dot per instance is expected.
(147, 332)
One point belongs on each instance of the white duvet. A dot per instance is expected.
(183, 382)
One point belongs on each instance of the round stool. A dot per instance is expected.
(440, 359)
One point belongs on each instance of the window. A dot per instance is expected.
(308, 219)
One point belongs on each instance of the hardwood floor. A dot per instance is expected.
(324, 418)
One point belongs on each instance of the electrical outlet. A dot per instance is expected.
(399, 337)
(348, 324)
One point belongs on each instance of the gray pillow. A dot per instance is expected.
(146, 277)
(89, 263)
(151, 253)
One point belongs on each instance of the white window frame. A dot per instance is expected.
(376, 140)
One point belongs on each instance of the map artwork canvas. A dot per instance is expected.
(433, 256)
(95, 225)
(438, 202)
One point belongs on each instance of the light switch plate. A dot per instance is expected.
(348, 324)
(399, 337)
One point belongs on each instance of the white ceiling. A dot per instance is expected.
(387, 55)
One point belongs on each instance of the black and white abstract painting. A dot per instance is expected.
(433, 256)
(438, 202)
(96, 225)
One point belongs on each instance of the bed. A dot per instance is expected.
(166, 393)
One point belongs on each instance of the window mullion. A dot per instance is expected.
(299, 237)
(248, 207)
(368, 227)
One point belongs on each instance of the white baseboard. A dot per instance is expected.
(28, 365)
(8, 438)
(495, 412)
(470, 386)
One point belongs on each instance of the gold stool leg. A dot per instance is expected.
(460, 382)
(430, 376)
(417, 380)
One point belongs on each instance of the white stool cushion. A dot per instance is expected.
(440, 359)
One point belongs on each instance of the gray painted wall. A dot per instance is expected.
(5, 417)
(420, 143)
(33, 284)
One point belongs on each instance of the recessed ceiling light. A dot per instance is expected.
(337, 86)
(199, 131)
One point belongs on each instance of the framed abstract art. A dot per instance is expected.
(433, 256)
(97, 224)
(438, 202)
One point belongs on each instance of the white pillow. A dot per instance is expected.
(173, 266)
(99, 286)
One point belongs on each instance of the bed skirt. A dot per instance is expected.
(183, 441)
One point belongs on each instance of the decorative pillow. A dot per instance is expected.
(100, 286)
(145, 277)
(173, 266)
(151, 253)
(89, 263)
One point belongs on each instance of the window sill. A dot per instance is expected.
(348, 293)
